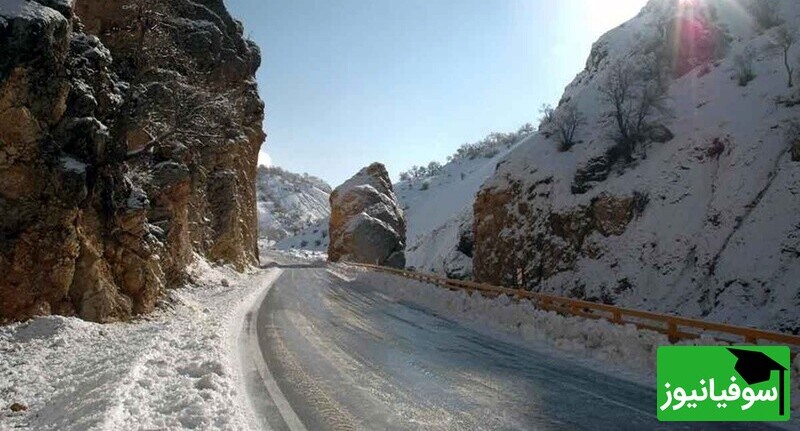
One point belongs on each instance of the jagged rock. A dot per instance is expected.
(659, 133)
(367, 225)
(599, 168)
(18, 407)
(796, 150)
(596, 170)
(543, 242)
(88, 226)
(466, 239)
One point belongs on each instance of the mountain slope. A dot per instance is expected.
(288, 202)
(699, 214)
(438, 211)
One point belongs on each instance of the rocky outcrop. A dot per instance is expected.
(129, 134)
(596, 170)
(520, 239)
(367, 225)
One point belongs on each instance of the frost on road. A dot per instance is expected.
(346, 356)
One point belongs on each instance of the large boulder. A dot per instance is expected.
(367, 224)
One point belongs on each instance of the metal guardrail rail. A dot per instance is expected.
(675, 327)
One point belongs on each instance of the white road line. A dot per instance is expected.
(253, 351)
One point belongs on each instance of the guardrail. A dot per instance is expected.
(675, 327)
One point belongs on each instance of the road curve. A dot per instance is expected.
(341, 355)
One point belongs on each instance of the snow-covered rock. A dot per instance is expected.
(367, 225)
(289, 203)
(703, 222)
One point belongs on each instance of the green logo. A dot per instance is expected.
(718, 383)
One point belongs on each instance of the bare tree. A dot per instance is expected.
(183, 113)
(434, 168)
(153, 34)
(618, 92)
(567, 120)
(743, 67)
(633, 96)
(785, 38)
(148, 26)
(547, 112)
(525, 130)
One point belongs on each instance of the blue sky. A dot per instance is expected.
(404, 82)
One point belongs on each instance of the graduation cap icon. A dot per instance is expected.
(756, 367)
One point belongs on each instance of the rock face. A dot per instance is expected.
(129, 134)
(545, 241)
(367, 225)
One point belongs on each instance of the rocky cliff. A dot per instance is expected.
(366, 224)
(693, 209)
(129, 133)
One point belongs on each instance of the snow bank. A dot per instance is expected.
(174, 369)
(624, 350)
(588, 338)
(309, 255)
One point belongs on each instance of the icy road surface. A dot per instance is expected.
(345, 356)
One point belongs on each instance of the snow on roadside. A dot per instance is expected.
(624, 350)
(176, 368)
(309, 255)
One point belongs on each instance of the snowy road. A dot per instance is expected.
(344, 356)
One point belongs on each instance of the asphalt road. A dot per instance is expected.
(341, 355)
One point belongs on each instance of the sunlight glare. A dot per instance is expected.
(264, 159)
(602, 16)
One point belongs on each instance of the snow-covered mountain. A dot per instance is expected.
(684, 196)
(313, 238)
(289, 203)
